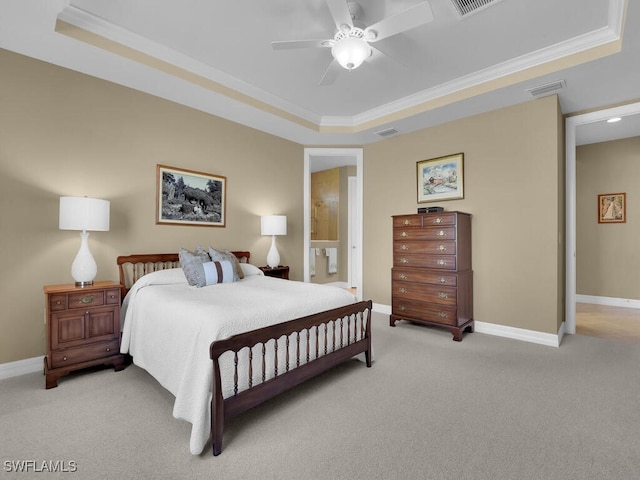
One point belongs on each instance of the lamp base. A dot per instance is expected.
(84, 284)
(273, 257)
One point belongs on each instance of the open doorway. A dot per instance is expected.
(344, 250)
(596, 316)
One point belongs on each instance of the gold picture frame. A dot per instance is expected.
(612, 208)
(187, 197)
(440, 178)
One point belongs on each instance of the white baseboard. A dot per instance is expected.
(549, 339)
(21, 367)
(609, 301)
(541, 338)
(380, 308)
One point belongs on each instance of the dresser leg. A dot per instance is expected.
(457, 332)
(51, 380)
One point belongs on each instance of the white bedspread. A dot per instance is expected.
(169, 325)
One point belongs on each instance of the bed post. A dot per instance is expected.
(217, 410)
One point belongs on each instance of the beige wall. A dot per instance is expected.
(513, 188)
(607, 255)
(64, 133)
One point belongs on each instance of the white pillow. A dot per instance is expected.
(249, 269)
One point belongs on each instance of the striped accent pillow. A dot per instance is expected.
(218, 272)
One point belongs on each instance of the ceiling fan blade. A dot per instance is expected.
(377, 54)
(290, 44)
(331, 73)
(340, 13)
(400, 22)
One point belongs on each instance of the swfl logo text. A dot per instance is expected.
(59, 466)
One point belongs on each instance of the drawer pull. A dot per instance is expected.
(64, 358)
(87, 299)
(404, 234)
(58, 302)
(441, 233)
(404, 260)
(402, 308)
(442, 248)
(404, 247)
(402, 290)
(442, 280)
(443, 314)
(442, 262)
(443, 295)
(108, 349)
(403, 276)
(438, 220)
(407, 222)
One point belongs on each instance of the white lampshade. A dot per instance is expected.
(83, 213)
(350, 52)
(273, 225)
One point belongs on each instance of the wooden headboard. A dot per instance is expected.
(132, 267)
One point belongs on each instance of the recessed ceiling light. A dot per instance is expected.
(614, 120)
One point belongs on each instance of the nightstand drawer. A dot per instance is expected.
(112, 296)
(57, 302)
(86, 299)
(71, 356)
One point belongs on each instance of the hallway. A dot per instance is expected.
(608, 322)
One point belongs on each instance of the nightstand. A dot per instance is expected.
(281, 271)
(83, 328)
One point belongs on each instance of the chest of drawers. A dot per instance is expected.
(432, 279)
(83, 328)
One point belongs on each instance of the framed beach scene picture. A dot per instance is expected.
(441, 178)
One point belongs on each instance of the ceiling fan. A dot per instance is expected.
(351, 44)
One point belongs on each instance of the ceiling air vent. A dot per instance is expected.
(467, 7)
(388, 132)
(546, 89)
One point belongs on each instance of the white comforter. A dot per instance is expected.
(169, 325)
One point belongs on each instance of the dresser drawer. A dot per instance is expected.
(408, 310)
(438, 219)
(424, 292)
(445, 247)
(71, 356)
(424, 276)
(86, 299)
(405, 221)
(444, 262)
(431, 233)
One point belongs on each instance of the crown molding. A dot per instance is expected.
(599, 43)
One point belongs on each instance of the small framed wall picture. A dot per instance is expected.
(612, 208)
(440, 178)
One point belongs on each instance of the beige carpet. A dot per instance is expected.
(429, 408)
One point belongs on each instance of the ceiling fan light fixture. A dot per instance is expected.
(351, 50)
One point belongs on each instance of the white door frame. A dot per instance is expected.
(353, 246)
(357, 153)
(571, 124)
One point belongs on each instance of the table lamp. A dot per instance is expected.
(273, 225)
(84, 214)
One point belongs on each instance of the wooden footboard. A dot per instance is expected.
(332, 337)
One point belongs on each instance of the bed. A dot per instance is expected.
(223, 349)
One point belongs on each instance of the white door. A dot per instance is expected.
(353, 240)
